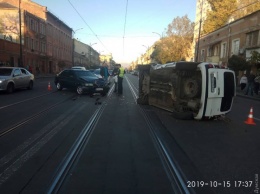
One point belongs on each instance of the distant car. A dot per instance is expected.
(78, 67)
(12, 78)
(83, 81)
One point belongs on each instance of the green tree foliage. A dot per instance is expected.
(218, 16)
(237, 63)
(255, 59)
(176, 45)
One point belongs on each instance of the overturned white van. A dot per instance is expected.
(188, 89)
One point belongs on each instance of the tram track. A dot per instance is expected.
(26, 100)
(76, 150)
(174, 173)
(32, 117)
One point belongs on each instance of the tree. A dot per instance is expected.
(218, 16)
(176, 45)
(222, 11)
(255, 59)
(246, 7)
(237, 63)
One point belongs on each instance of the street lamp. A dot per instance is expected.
(157, 34)
(77, 30)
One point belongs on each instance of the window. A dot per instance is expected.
(235, 47)
(209, 51)
(216, 50)
(252, 38)
(202, 58)
(32, 44)
(223, 51)
(32, 25)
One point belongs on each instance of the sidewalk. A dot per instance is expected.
(242, 94)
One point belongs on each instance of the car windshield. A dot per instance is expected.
(84, 74)
(5, 71)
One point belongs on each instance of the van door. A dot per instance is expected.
(216, 83)
(221, 86)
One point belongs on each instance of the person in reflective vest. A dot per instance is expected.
(121, 73)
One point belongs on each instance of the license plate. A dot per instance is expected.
(99, 89)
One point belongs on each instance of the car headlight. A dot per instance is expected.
(2, 80)
(88, 84)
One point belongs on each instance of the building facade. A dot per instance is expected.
(84, 55)
(239, 37)
(46, 41)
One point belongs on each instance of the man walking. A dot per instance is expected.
(251, 82)
(121, 73)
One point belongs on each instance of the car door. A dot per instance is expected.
(71, 80)
(25, 78)
(63, 78)
(17, 78)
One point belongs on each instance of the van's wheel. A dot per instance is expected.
(10, 88)
(191, 88)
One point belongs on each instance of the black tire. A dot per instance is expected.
(30, 86)
(10, 88)
(183, 115)
(192, 88)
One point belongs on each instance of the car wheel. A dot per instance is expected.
(10, 88)
(58, 85)
(79, 90)
(30, 86)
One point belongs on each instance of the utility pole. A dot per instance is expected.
(20, 25)
(197, 53)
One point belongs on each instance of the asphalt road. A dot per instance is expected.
(120, 155)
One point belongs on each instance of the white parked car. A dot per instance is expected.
(12, 78)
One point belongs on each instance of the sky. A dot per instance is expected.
(124, 28)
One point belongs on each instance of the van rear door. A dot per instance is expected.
(221, 90)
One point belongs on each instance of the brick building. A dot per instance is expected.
(46, 40)
(85, 55)
(239, 37)
(9, 35)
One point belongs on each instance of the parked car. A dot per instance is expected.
(12, 78)
(83, 81)
(78, 67)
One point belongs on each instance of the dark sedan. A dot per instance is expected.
(83, 81)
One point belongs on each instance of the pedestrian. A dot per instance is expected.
(121, 73)
(104, 71)
(250, 85)
(243, 82)
(115, 76)
(257, 84)
(30, 68)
